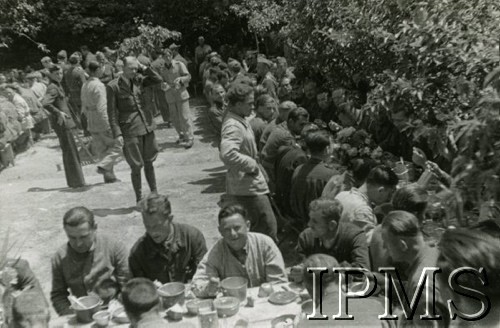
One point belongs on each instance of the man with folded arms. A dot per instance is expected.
(239, 253)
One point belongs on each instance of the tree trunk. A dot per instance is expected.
(256, 41)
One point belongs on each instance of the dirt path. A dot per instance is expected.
(34, 197)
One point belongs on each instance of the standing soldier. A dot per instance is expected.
(176, 79)
(132, 121)
(74, 78)
(94, 106)
(56, 104)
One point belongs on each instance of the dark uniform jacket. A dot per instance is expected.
(55, 101)
(308, 182)
(349, 247)
(176, 262)
(128, 115)
(74, 78)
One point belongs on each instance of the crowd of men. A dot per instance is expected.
(274, 135)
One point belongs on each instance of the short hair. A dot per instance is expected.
(93, 66)
(167, 51)
(74, 59)
(46, 59)
(31, 305)
(238, 92)
(54, 68)
(213, 70)
(317, 141)
(298, 113)
(77, 216)
(232, 209)
(129, 59)
(84, 48)
(263, 100)
(411, 198)
(320, 261)
(402, 224)
(62, 54)
(382, 175)
(139, 296)
(331, 209)
(155, 203)
(360, 168)
(462, 247)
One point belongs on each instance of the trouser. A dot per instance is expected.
(260, 213)
(107, 149)
(181, 118)
(161, 103)
(141, 151)
(71, 158)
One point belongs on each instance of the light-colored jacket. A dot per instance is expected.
(176, 93)
(239, 153)
(94, 105)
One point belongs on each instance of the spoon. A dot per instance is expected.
(75, 300)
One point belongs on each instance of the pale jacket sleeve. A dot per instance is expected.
(102, 101)
(186, 77)
(207, 268)
(275, 265)
(232, 137)
(366, 220)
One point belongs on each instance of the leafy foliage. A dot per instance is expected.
(19, 18)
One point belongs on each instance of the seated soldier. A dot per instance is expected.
(364, 310)
(142, 304)
(327, 234)
(168, 251)
(310, 178)
(404, 243)
(239, 253)
(88, 259)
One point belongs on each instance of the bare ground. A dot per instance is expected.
(34, 197)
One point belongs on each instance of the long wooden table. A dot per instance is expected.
(260, 315)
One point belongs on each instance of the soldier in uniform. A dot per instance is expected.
(131, 120)
(55, 102)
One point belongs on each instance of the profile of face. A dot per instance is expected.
(9, 93)
(218, 94)
(319, 226)
(400, 120)
(245, 108)
(57, 75)
(286, 85)
(46, 63)
(157, 225)
(268, 110)
(262, 69)
(281, 67)
(130, 68)
(3, 79)
(310, 90)
(379, 194)
(234, 230)
(82, 237)
(322, 100)
(394, 246)
(167, 57)
(296, 127)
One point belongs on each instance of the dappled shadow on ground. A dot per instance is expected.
(216, 169)
(66, 189)
(204, 128)
(216, 183)
(103, 212)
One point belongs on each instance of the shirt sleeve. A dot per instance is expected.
(102, 102)
(365, 219)
(59, 293)
(232, 137)
(274, 264)
(359, 253)
(206, 269)
(186, 77)
(134, 264)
